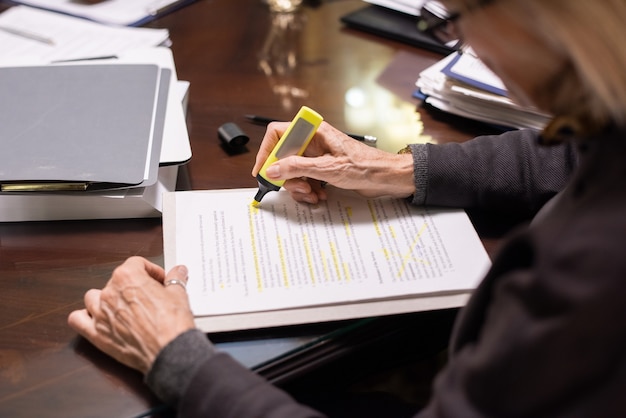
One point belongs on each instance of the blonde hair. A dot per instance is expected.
(590, 35)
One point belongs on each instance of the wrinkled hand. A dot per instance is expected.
(135, 316)
(335, 158)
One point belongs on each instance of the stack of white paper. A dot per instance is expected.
(32, 35)
(411, 7)
(110, 12)
(462, 85)
(286, 263)
(130, 202)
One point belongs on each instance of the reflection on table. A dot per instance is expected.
(240, 59)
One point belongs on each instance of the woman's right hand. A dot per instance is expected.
(335, 158)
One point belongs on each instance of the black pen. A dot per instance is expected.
(262, 120)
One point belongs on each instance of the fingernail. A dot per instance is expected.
(182, 271)
(273, 171)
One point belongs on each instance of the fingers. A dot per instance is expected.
(271, 137)
(176, 280)
(155, 271)
(319, 188)
(295, 167)
(288, 168)
(139, 264)
(134, 316)
(327, 141)
(305, 190)
(92, 301)
(82, 321)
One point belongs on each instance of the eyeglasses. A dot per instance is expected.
(438, 21)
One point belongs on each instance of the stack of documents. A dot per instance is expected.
(92, 125)
(90, 139)
(285, 263)
(411, 7)
(32, 35)
(110, 12)
(81, 127)
(462, 85)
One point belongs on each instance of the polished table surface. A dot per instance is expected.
(239, 60)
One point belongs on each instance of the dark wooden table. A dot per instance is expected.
(239, 61)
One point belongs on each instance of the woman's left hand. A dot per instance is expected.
(135, 315)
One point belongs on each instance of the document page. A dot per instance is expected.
(411, 7)
(284, 254)
(467, 67)
(28, 33)
(110, 12)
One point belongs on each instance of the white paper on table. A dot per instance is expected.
(411, 7)
(111, 12)
(285, 254)
(70, 37)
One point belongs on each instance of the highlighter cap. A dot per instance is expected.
(232, 135)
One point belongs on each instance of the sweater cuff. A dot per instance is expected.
(175, 366)
(420, 173)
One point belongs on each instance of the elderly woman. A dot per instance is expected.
(544, 333)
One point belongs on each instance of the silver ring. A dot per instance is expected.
(175, 281)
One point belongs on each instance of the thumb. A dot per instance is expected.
(176, 279)
(292, 167)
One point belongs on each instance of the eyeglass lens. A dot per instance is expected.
(436, 20)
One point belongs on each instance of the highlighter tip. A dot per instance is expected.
(255, 203)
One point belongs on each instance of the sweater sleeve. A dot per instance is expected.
(221, 387)
(177, 363)
(545, 341)
(510, 172)
(200, 381)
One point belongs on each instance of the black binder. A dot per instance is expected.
(393, 25)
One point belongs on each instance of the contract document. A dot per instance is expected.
(285, 262)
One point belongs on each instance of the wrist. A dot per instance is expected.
(396, 174)
(176, 364)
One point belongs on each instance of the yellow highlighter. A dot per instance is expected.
(293, 142)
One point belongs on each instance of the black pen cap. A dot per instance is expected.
(232, 135)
